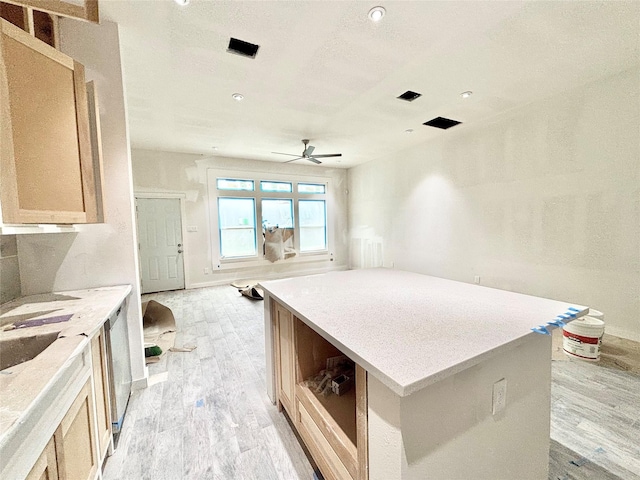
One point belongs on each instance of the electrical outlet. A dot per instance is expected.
(476, 279)
(206, 271)
(499, 396)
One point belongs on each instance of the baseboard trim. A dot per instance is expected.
(139, 384)
(622, 333)
(270, 276)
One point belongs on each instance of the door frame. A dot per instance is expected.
(183, 228)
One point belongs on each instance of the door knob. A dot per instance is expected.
(180, 250)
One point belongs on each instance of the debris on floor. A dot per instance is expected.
(159, 326)
(249, 289)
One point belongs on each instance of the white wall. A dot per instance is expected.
(101, 254)
(544, 200)
(181, 173)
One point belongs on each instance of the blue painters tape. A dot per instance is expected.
(200, 403)
(573, 309)
(556, 322)
(541, 329)
(564, 316)
(571, 314)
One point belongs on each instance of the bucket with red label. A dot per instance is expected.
(582, 338)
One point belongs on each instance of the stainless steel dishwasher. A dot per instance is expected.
(117, 340)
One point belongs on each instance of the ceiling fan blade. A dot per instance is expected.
(294, 159)
(314, 160)
(290, 154)
(328, 155)
(308, 151)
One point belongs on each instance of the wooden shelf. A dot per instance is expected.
(342, 409)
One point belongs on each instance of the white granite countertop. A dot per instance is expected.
(411, 330)
(22, 385)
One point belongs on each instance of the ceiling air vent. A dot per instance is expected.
(409, 96)
(240, 47)
(441, 122)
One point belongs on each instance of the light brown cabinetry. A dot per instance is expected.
(285, 357)
(46, 158)
(101, 389)
(333, 428)
(46, 467)
(75, 439)
(71, 453)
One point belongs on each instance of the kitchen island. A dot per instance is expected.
(451, 381)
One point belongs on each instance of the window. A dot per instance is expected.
(275, 187)
(250, 210)
(232, 184)
(237, 227)
(313, 225)
(310, 188)
(277, 213)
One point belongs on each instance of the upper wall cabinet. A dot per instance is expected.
(81, 9)
(46, 158)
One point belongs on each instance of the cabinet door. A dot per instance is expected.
(75, 439)
(101, 389)
(46, 467)
(285, 358)
(45, 155)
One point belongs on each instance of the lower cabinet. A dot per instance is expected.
(333, 427)
(285, 357)
(71, 453)
(46, 467)
(101, 388)
(75, 439)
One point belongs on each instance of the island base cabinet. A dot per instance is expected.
(283, 326)
(46, 467)
(333, 428)
(321, 450)
(75, 439)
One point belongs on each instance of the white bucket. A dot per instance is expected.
(582, 338)
(595, 314)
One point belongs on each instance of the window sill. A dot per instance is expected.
(237, 264)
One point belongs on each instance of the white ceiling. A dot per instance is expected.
(324, 71)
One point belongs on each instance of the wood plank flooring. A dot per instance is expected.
(206, 414)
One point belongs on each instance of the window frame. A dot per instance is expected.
(219, 262)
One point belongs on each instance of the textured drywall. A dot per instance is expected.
(156, 172)
(102, 254)
(9, 269)
(544, 200)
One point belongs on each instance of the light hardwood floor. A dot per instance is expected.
(206, 414)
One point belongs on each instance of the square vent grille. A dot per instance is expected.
(441, 122)
(240, 47)
(409, 96)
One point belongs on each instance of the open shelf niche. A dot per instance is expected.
(312, 354)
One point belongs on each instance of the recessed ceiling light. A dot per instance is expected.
(409, 130)
(237, 96)
(181, 2)
(466, 94)
(376, 14)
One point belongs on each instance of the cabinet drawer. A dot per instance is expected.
(321, 449)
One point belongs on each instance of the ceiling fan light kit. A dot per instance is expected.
(307, 154)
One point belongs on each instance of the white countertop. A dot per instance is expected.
(24, 385)
(411, 330)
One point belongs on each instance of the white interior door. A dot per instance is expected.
(161, 247)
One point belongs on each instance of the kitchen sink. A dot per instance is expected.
(14, 351)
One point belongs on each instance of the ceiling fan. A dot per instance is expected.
(307, 154)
